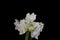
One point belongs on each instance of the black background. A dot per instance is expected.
(18, 10)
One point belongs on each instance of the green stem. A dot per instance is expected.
(30, 36)
(27, 36)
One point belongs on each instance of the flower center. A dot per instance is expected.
(31, 28)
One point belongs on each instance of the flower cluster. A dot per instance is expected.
(28, 24)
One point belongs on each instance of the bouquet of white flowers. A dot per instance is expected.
(28, 25)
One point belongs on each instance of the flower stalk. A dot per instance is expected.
(27, 36)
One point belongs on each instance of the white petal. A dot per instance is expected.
(16, 23)
(35, 34)
(20, 27)
(41, 26)
(27, 16)
(33, 17)
(37, 31)
(30, 18)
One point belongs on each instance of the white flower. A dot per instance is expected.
(28, 24)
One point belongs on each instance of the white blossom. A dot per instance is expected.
(28, 24)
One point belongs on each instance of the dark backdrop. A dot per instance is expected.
(18, 10)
